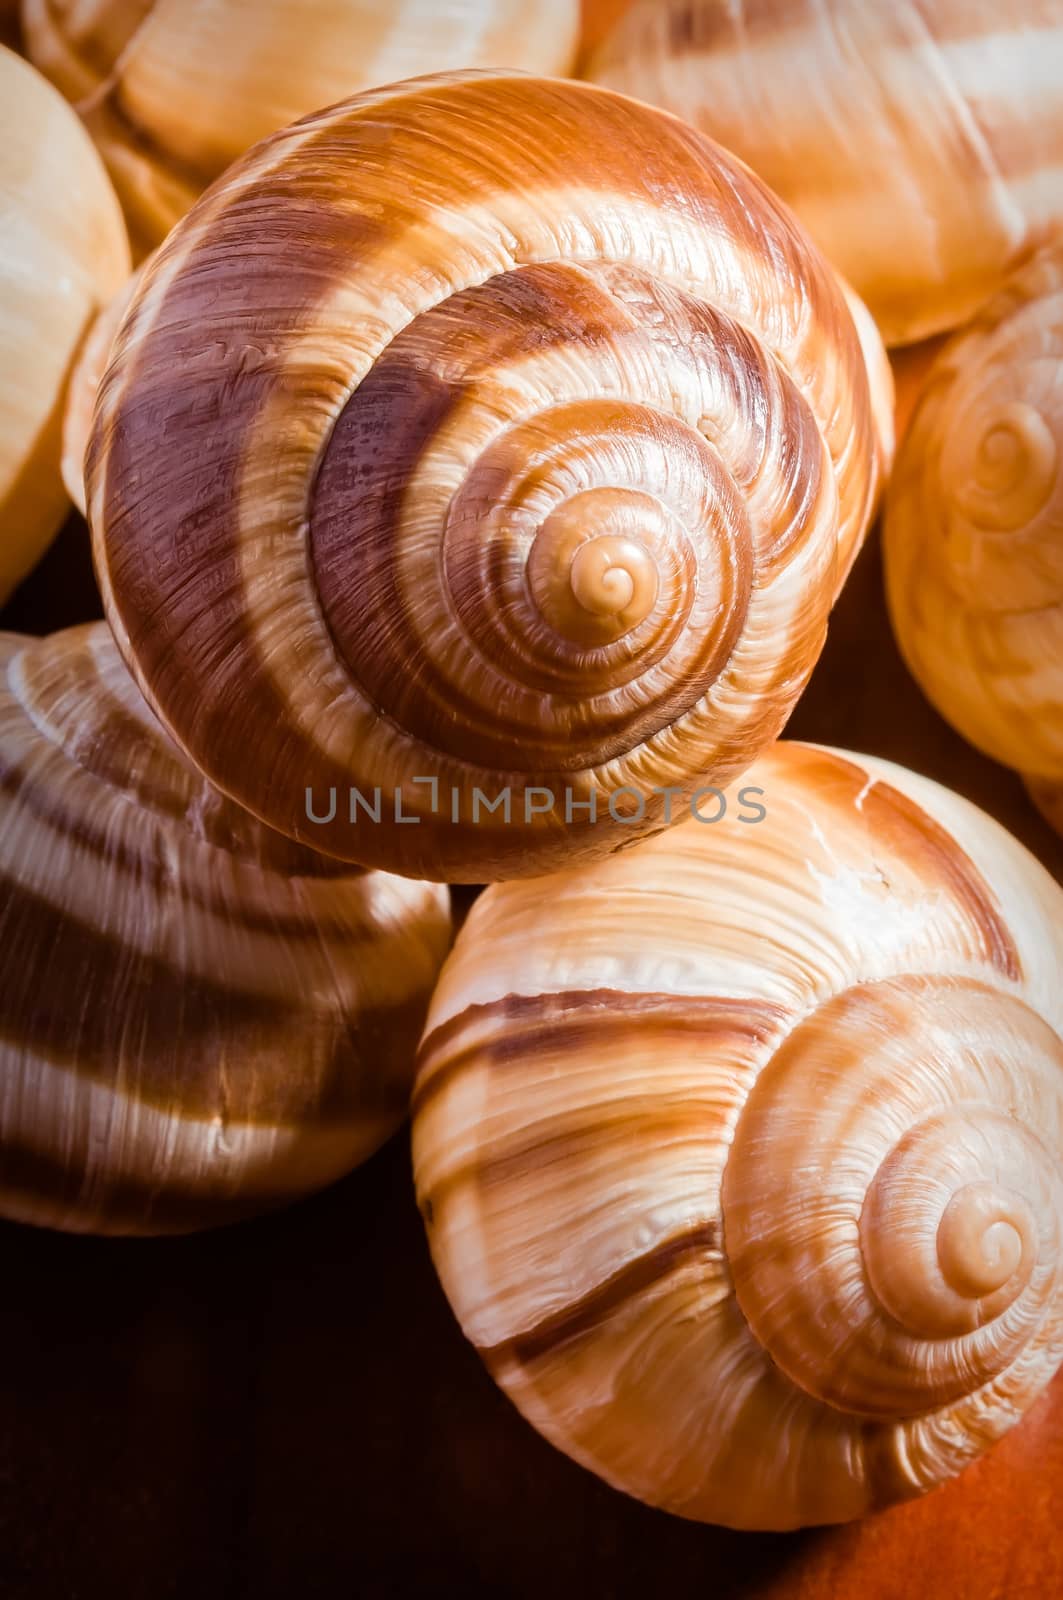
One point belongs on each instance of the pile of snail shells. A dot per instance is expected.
(472, 467)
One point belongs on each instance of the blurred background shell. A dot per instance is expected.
(85, 379)
(741, 1154)
(174, 90)
(973, 531)
(64, 254)
(198, 1019)
(921, 142)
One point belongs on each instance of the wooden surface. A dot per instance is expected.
(287, 1408)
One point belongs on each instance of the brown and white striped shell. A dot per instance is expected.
(173, 91)
(973, 531)
(63, 253)
(484, 436)
(920, 141)
(198, 1018)
(741, 1154)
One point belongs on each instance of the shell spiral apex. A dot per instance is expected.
(533, 471)
(973, 531)
(741, 1154)
(199, 1019)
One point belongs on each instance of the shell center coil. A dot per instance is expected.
(594, 568)
(1005, 464)
(561, 579)
(985, 1238)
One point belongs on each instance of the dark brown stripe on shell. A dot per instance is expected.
(518, 1027)
(925, 847)
(182, 541)
(155, 875)
(87, 1003)
(91, 726)
(586, 1315)
(583, 1139)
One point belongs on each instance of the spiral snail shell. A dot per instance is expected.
(741, 1154)
(918, 140)
(532, 471)
(973, 530)
(65, 252)
(173, 91)
(198, 1018)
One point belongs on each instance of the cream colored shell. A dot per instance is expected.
(64, 253)
(85, 380)
(198, 1019)
(509, 444)
(974, 529)
(741, 1153)
(920, 143)
(174, 90)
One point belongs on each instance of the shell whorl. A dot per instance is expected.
(892, 1203)
(741, 1155)
(974, 559)
(199, 1018)
(584, 450)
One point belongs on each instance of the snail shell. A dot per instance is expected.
(533, 470)
(84, 385)
(919, 142)
(973, 531)
(198, 1018)
(174, 90)
(741, 1154)
(64, 254)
